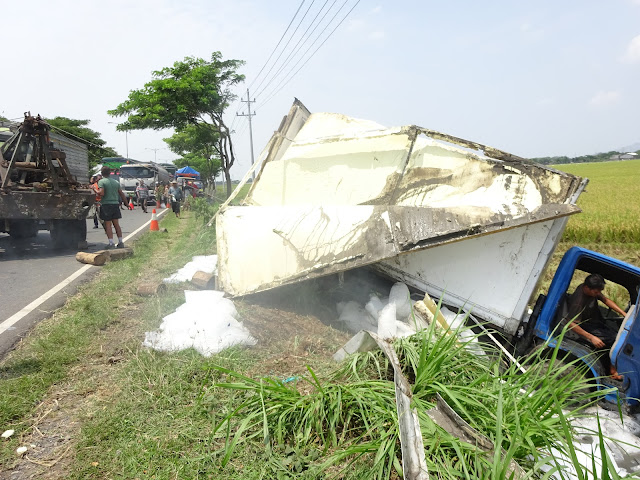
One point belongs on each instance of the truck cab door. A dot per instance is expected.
(625, 352)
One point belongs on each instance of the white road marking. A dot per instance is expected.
(15, 318)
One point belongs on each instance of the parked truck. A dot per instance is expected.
(151, 173)
(41, 185)
(469, 224)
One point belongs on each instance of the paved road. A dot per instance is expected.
(30, 269)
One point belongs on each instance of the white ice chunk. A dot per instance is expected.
(355, 317)
(387, 321)
(374, 305)
(400, 296)
(198, 263)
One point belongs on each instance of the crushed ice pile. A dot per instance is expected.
(392, 317)
(202, 263)
(389, 316)
(206, 322)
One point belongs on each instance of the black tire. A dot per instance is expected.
(68, 233)
(20, 229)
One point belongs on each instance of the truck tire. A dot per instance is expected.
(68, 233)
(20, 229)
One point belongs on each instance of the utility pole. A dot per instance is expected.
(248, 101)
(155, 153)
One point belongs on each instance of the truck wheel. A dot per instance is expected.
(20, 229)
(79, 229)
(57, 233)
(68, 233)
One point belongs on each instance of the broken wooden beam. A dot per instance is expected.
(204, 280)
(98, 259)
(149, 289)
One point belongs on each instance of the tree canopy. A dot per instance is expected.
(190, 97)
(196, 147)
(77, 130)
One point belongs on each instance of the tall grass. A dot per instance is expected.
(351, 416)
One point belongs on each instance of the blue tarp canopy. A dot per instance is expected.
(187, 172)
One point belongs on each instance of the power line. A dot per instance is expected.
(279, 42)
(235, 105)
(297, 47)
(285, 47)
(288, 75)
(314, 52)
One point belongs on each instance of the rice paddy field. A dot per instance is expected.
(610, 218)
(611, 211)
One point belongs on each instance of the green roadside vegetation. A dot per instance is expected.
(282, 409)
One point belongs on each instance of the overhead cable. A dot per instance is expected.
(297, 47)
(275, 92)
(285, 47)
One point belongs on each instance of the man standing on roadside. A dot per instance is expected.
(142, 192)
(175, 194)
(111, 193)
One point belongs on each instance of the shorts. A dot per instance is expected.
(175, 206)
(110, 212)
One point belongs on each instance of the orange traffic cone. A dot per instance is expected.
(130, 204)
(153, 226)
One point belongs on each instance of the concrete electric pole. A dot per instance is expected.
(248, 101)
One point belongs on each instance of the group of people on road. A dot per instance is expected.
(110, 198)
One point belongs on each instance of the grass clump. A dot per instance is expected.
(351, 418)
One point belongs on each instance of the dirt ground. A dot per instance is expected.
(289, 337)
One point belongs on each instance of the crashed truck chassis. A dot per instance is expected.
(468, 223)
(37, 190)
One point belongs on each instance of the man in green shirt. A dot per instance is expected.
(111, 194)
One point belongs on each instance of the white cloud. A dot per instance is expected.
(378, 9)
(604, 99)
(632, 54)
(377, 35)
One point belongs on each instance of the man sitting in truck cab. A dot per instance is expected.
(586, 320)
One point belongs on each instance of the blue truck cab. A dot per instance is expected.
(576, 264)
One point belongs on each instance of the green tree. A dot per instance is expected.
(196, 146)
(193, 92)
(77, 130)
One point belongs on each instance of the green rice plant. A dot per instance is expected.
(609, 215)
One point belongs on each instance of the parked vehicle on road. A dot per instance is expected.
(41, 184)
(151, 173)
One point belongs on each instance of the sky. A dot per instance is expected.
(535, 79)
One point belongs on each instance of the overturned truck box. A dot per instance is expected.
(459, 220)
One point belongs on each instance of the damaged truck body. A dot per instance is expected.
(470, 224)
(40, 185)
